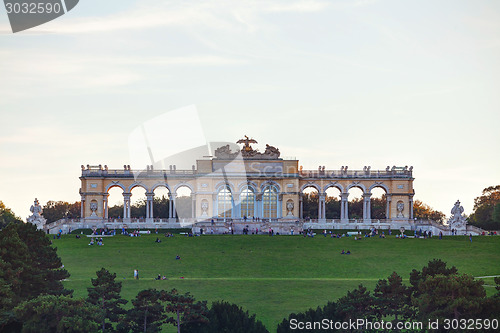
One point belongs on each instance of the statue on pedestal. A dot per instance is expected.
(37, 218)
(457, 221)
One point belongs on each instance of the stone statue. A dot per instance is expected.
(204, 208)
(247, 152)
(400, 207)
(93, 208)
(289, 208)
(37, 218)
(457, 221)
(225, 153)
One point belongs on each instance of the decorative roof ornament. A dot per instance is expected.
(247, 152)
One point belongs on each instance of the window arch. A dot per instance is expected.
(224, 202)
(247, 199)
(270, 202)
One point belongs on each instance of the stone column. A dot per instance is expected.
(301, 206)
(388, 206)
(126, 206)
(321, 206)
(105, 204)
(193, 205)
(344, 208)
(174, 213)
(82, 207)
(258, 201)
(149, 205)
(411, 207)
(367, 207)
(170, 205)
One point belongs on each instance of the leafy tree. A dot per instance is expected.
(453, 296)
(226, 317)
(310, 205)
(161, 207)
(486, 212)
(184, 307)
(425, 212)
(378, 206)
(392, 298)
(48, 273)
(138, 209)
(56, 210)
(357, 304)
(434, 267)
(332, 208)
(312, 315)
(147, 315)
(7, 216)
(105, 294)
(16, 266)
(54, 314)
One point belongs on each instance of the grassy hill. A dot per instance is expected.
(268, 276)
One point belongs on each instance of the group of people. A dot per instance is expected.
(345, 252)
(98, 241)
(159, 277)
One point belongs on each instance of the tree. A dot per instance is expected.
(392, 298)
(56, 210)
(328, 311)
(7, 216)
(434, 267)
(486, 212)
(357, 304)
(184, 307)
(47, 268)
(147, 315)
(226, 317)
(450, 297)
(105, 294)
(54, 314)
(425, 212)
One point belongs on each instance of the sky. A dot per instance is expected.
(333, 83)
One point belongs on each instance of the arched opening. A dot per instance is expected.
(310, 202)
(161, 202)
(378, 203)
(270, 202)
(355, 203)
(332, 203)
(183, 202)
(115, 202)
(247, 202)
(224, 203)
(138, 202)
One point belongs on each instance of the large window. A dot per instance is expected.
(270, 202)
(224, 203)
(247, 202)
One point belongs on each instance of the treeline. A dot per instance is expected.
(486, 212)
(378, 208)
(435, 293)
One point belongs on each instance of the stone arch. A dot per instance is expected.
(250, 184)
(270, 182)
(313, 185)
(137, 184)
(361, 186)
(155, 186)
(381, 185)
(177, 186)
(335, 185)
(113, 184)
(221, 184)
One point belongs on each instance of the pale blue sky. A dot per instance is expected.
(331, 82)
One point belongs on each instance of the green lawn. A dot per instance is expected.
(268, 276)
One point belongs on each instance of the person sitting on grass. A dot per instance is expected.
(178, 257)
(343, 252)
(158, 277)
(348, 252)
(91, 241)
